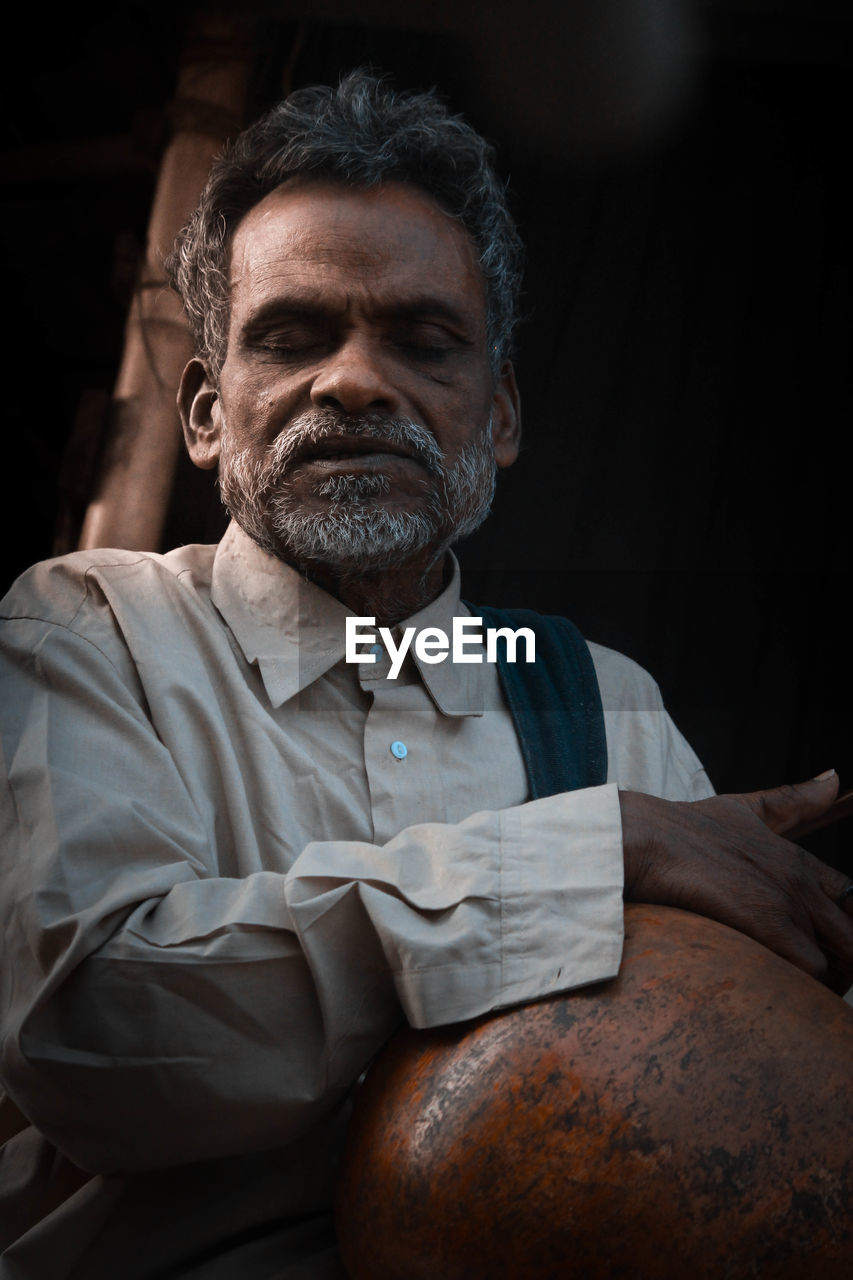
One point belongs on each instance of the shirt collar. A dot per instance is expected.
(294, 631)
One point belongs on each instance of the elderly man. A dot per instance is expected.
(235, 859)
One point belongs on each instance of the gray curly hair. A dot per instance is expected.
(362, 133)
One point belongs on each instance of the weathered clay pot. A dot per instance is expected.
(692, 1118)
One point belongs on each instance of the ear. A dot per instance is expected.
(506, 417)
(201, 415)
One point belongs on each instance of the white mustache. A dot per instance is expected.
(317, 425)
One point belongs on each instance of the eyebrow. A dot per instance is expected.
(417, 307)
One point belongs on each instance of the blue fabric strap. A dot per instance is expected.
(554, 701)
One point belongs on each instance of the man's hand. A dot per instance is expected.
(732, 858)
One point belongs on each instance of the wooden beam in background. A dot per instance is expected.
(129, 503)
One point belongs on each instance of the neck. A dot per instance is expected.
(388, 594)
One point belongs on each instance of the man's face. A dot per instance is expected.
(357, 420)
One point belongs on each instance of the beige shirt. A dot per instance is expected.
(224, 884)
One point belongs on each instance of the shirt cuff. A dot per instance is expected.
(562, 881)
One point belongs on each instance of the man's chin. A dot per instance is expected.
(357, 538)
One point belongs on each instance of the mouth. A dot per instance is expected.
(361, 452)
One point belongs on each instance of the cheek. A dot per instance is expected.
(256, 412)
(465, 422)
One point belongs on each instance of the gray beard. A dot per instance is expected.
(354, 532)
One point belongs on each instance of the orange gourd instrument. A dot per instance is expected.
(692, 1118)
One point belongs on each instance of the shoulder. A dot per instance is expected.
(62, 591)
(123, 607)
(623, 682)
(646, 751)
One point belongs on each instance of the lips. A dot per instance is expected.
(346, 448)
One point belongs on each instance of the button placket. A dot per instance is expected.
(400, 773)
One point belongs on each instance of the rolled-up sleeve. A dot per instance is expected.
(478, 915)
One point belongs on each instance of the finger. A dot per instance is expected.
(834, 930)
(835, 936)
(833, 927)
(790, 809)
(835, 885)
(840, 808)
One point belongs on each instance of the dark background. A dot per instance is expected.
(685, 357)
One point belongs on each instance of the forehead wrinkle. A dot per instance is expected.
(301, 251)
(342, 269)
(273, 228)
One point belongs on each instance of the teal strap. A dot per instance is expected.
(554, 701)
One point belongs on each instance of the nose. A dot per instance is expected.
(354, 378)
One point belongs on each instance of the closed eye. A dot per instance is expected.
(291, 342)
(429, 342)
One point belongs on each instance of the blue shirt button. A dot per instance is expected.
(400, 750)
